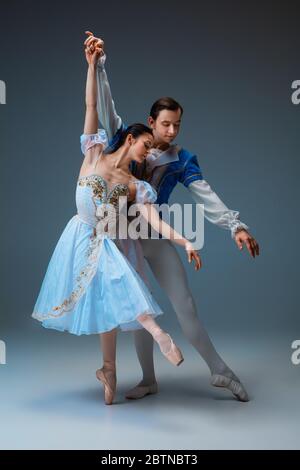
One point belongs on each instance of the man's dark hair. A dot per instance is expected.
(164, 103)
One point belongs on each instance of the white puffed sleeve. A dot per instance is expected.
(107, 113)
(89, 140)
(145, 193)
(214, 209)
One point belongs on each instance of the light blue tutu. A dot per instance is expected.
(90, 286)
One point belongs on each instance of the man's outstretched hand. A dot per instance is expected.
(244, 238)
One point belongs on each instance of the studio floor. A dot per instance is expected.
(50, 398)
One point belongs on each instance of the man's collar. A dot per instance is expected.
(167, 156)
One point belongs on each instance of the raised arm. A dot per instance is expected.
(91, 114)
(108, 116)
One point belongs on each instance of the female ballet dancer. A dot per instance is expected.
(90, 287)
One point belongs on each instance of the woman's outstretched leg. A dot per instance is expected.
(107, 374)
(163, 339)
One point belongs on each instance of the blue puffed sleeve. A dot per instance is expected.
(191, 170)
(89, 140)
(145, 193)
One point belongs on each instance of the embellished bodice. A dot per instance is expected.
(97, 203)
(94, 197)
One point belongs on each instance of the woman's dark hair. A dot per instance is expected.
(136, 130)
(164, 103)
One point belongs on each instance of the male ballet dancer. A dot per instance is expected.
(165, 166)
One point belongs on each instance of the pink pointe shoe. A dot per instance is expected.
(173, 353)
(108, 380)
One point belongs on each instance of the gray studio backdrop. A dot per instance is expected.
(231, 65)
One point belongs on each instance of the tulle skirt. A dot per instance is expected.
(90, 286)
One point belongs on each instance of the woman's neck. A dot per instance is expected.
(120, 160)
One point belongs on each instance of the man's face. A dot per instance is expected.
(166, 126)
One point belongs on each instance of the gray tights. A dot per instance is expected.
(168, 269)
